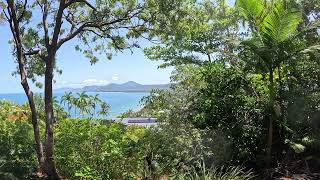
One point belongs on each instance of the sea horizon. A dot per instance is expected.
(119, 101)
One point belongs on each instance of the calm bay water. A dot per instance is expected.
(119, 101)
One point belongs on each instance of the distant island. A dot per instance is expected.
(129, 86)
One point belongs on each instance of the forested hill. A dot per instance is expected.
(129, 86)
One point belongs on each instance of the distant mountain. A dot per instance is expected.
(62, 90)
(129, 86)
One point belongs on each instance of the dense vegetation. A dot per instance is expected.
(245, 97)
(91, 149)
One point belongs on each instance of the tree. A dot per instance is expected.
(274, 27)
(83, 103)
(36, 42)
(104, 109)
(94, 100)
(67, 98)
(14, 18)
(206, 31)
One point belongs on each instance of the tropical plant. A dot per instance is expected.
(58, 109)
(207, 37)
(94, 102)
(83, 103)
(36, 42)
(104, 109)
(67, 98)
(274, 27)
(222, 173)
(17, 158)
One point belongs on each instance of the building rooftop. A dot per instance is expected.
(146, 122)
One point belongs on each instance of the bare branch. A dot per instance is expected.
(23, 11)
(98, 25)
(45, 23)
(35, 52)
(83, 1)
(88, 4)
(30, 53)
(58, 24)
(70, 20)
(5, 14)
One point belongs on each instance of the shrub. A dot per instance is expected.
(222, 173)
(86, 148)
(17, 156)
(90, 149)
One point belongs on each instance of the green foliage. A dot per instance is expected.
(128, 152)
(170, 149)
(85, 147)
(230, 173)
(267, 76)
(17, 156)
(57, 108)
(235, 106)
(228, 81)
(195, 34)
(218, 97)
(85, 105)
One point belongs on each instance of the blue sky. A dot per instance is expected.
(78, 72)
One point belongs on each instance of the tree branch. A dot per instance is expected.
(30, 53)
(6, 15)
(92, 24)
(44, 9)
(24, 10)
(35, 52)
(58, 24)
(83, 1)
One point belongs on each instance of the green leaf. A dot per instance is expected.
(281, 22)
(298, 148)
(251, 9)
(311, 49)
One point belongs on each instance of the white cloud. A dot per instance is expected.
(86, 82)
(90, 82)
(94, 82)
(115, 77)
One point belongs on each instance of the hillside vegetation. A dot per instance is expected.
(244, 101)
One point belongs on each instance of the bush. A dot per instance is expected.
(222, 173)
(86, 148)
(17, 155)
(89, 149)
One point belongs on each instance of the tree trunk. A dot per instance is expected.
(34, 118)
(50, 165)
(14, 27)
(35, 125)
(270, 130)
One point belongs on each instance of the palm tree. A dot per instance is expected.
(83, 103)
(74, 103)
(56, 107)
(274, 40)
(67, 98)
(94, 101)
(104, 109)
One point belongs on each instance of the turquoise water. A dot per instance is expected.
(119, 101)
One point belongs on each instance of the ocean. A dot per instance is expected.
(119, 101)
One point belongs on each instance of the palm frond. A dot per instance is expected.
(252, 10)
(264, 52)
(311, 49)
(280, 23)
